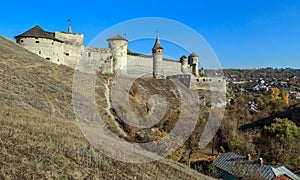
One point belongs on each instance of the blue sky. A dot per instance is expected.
(242, 33)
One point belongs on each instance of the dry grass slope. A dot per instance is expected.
(39, 136)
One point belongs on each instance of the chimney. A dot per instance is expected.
(248, 157)
(260, 161)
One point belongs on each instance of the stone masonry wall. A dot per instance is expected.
(138, 65)
(46, 48)
(101, 59)
(73, 47)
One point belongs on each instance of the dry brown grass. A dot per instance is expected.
(39, 136)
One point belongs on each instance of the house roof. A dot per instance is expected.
(38, 32)
(238, 166)
(117, 37)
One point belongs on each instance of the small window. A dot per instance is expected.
(89, 54)
(22, 41)
(37, 41)
(47, 58)
(40, 52)
(67, 54)
(57, 59)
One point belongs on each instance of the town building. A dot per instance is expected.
(235, 166)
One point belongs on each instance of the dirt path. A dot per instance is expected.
(107, 95)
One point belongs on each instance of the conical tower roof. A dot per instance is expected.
(182, 58)
(193, 55)
(157, 44)
(38, 32)
(117, 37)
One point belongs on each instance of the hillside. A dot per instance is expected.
(291, 114)
(39, 135)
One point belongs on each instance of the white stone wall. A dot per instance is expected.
(138, 65)
(73, 47)
(184, 79)
(111, 60)
(46, 48)
(207, 83)
(58, 56)
(194, 65)
(119, 51)
(100, 58)
(171, 68)
(67, 52)
(158, 68)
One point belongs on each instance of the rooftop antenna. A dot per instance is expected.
(69, 27)
(124, 34)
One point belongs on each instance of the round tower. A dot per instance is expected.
(184, 64)
(193, 61)
(157, 53)
(119, 45)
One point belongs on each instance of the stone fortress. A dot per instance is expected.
(67, 48)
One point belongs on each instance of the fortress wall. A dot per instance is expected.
(70, 38)
(208, 83)
(184, 79)
(73, 47)
(101, 59)
(187, 69)
(46, 48)
(171, 67)
(139, 65)
(58, 49)
(72, 54)
(203, 83)
(144, 65)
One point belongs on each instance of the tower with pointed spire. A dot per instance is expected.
(157, 54)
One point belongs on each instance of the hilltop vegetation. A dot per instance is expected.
(262, 122)
(39, 135)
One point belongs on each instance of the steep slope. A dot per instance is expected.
(39, 135)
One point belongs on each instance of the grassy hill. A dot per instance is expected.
(39, 135)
